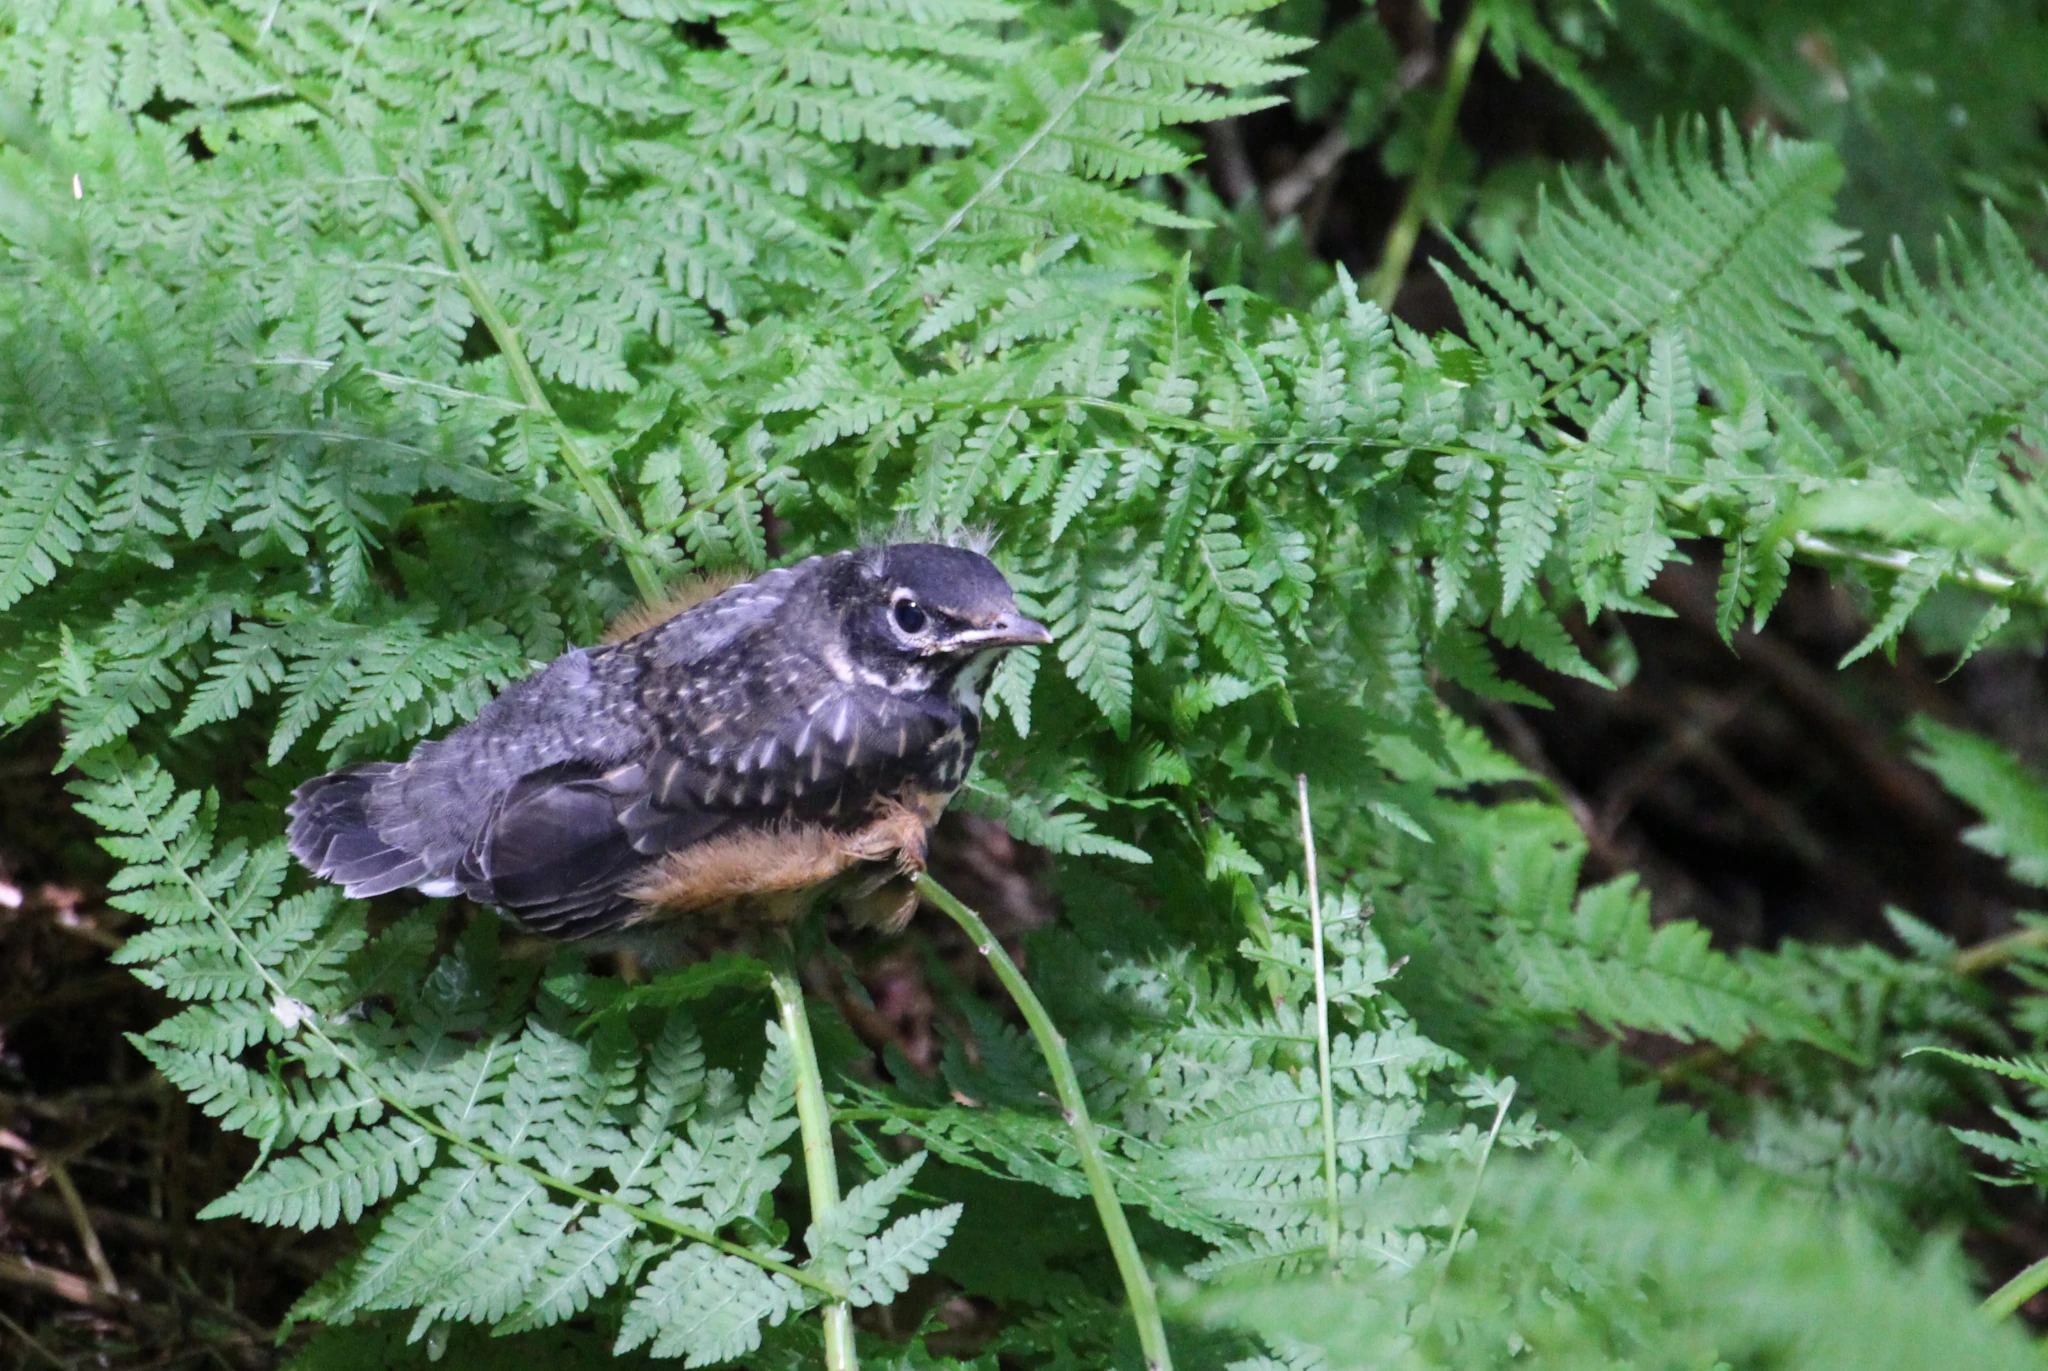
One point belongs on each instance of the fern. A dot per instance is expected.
(339, 393)
(2013, 799)
(573, 1162)
(1821, 1290)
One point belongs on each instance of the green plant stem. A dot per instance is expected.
(1443, 122)
(1996, 952)
(1500, 1116)
(814, 1121)
(1138, 1288)
(1315, 932)
(610, 512)
(1098, 71)
(1982, 580)
(2007, 1299)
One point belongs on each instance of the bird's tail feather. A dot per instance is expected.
(332, 834)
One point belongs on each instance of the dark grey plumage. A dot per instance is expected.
(817, 695)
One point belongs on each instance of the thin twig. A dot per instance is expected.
(1996, 952)
(63, 1284)
(87, 1238)
(1130, 1264)
(1525, 747)
(814, 1121)
(1443, 122)
(1321, 160)
(1229, 162)
(1315, 932)
(1904, 788)
(1683, 737)
(140, 1230)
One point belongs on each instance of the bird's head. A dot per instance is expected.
(925, 616)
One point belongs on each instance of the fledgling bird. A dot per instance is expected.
(723, 764)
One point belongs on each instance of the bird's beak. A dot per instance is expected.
(1011, 630)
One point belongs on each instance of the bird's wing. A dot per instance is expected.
(561, 847)
(552, 852)
(824, 758)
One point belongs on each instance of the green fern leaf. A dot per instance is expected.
(705, 1307)
(44, 521)
(886, 1262)
(1526, 524)
(332, 1181)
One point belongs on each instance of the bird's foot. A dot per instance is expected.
(897, 834)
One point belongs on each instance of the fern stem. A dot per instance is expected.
(610, 512)
(1500, 1116)
(1982, 580)
(2007, 1299)
(1097, 69)
(814, 1121)
(1130, 1264)
(1443, 122)
(1335, 1218)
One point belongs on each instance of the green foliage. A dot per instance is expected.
(2014, 803)
(355, 359)
(1931, 111)
(1932, 108)
(2013, 800)
(1595, 1273)
(527, 1172)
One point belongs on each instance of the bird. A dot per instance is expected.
(722, 764)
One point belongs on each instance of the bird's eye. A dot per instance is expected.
(909, 617)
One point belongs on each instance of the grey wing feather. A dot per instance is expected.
(331, 833)
(384, 826)
(828, 757)
(438, 803)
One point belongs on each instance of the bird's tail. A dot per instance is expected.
(332, 834)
